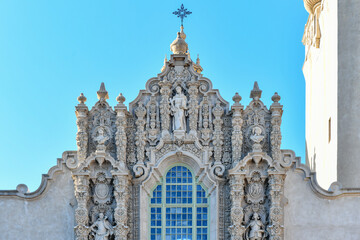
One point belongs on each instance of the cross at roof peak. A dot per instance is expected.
(182, 13)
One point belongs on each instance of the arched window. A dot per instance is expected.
(179, 208)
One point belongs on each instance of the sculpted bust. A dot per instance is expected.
(101, 138)
(101, 228)
(178, 107)
(257, 137)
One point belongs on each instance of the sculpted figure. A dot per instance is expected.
(178, 107)
(257, 137)
(101, 137)
(255, 230)
(102, 228)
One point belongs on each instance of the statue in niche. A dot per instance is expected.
(178, 107)
(101, 138)
(257, 137)
(101, 228)
(255, 230)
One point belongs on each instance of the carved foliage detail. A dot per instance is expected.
(122, 195)
(82, 195)
(236, 194)
(218, 137)
(120, 137)
(276, 212)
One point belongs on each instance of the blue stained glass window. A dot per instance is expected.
(179, 208)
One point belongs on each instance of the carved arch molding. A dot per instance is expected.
(179, 118)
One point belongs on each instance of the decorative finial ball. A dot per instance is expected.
(22, 188)
(237, 98)
(275, 98)
(82, 99)
(179, 46)
(120, 98)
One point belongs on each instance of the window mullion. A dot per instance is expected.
(163, 210)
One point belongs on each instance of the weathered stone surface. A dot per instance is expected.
(47, 216)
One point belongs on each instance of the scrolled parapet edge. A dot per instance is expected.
(335, 190)
(21, 190)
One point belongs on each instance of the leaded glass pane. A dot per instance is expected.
(156, 198)
(200, 195)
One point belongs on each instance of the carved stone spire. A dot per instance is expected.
(163, 67)
(256, 92)
(102, 93)
(197, 66)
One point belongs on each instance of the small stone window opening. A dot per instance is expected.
(329, 130)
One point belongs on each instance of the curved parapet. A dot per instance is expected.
(335, 191)
(22, 191)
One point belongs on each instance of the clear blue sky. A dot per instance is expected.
(51, 51)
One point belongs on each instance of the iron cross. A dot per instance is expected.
(182, 13)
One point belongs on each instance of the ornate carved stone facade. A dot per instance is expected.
(233, 153)
(180, 118)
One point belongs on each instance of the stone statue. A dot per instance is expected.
(178, 107)
(257, 137)
(102, 228)
(255, 230)
(101, 137)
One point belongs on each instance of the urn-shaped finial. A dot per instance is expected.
(275, 98)
(82, 99)
(120, 99)
(237, 98)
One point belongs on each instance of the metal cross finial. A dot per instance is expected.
(182, 13)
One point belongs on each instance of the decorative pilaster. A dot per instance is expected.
(193, 106)
(237, 228)
(237, 136)
(82, 124)
(276, 212)
(140, 139)
(152, 121)
(122, 195)
(205, 121)
(165, 106)
(120, 136)
(218, 137)
(275, 137)
(82, 195)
